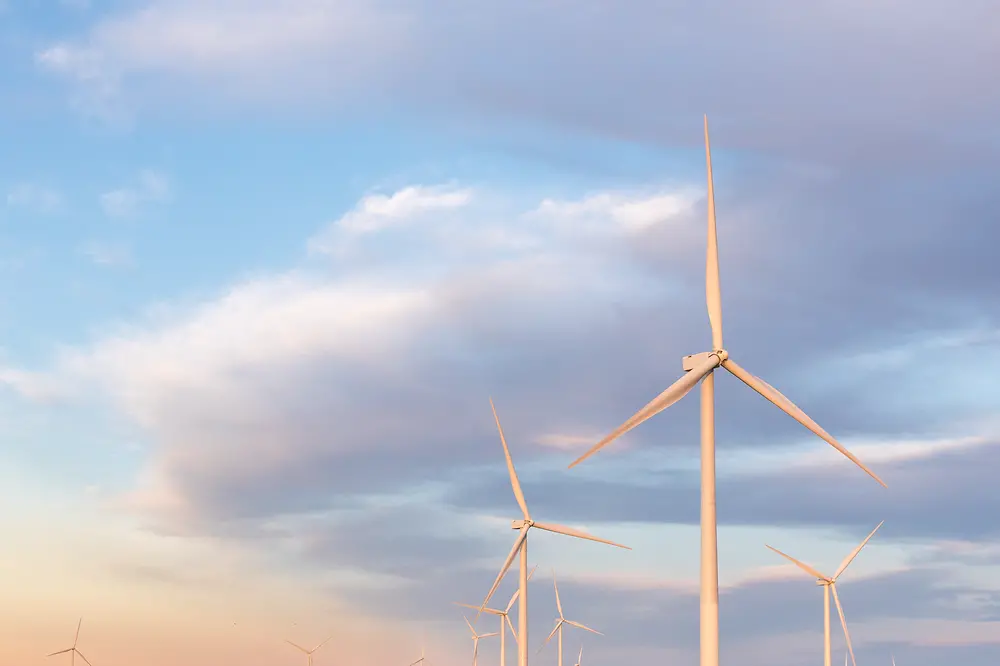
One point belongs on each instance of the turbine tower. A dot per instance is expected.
(504, 618)
(72, 650)
(829, 584)
(521, 546)
(701, 367)
(475, 641)
(561, 621)
(308, 653)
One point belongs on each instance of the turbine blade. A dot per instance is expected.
(491, 611)
(506, 565)
(513, 597)
(323, 643)
(76, 638)
(675, 392)
(801, 565)
(784, 404)
(417, 662)
(854, 553)
(569, 531)
(554, 630)
(299, 647)
(713, 292)
(60, 652)
(514, 483)
(580, 658)
(494, 633)
(468, 624)
(843, 622)
(517, 639)
(584, 627)
(87, 661)
(556, 586)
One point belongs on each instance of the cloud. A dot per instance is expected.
(152, 187)
(107, 254)
(34, 197)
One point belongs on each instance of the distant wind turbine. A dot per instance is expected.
(701, 367)
(561, 621)
(475, 640)
(73, 651)
(521, 545)
(829, 584)
(308, 653)
(504, 617)
(423, 660)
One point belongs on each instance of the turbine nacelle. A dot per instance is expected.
(692, 361)
(518, 524)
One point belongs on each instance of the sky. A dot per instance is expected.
(265, 264)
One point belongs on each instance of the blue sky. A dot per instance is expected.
(265, 264)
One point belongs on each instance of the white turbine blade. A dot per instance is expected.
(675, 392)
(554, 630)
(469, 624)
(514, 483)
(60, 652)
(491, 611)
(510, 624)
(323, 643)
(299, 647)
(87, 661)
(843, 622)
(513, 597)
(494, 633)
(417, 662)
(506, 565)
(784, 404)
(801, 565)
(854, 553)
(76, 638)
(713, 292)
(569, 531)
(893, 657)
(579, 659)
(556, 586)
(584, 627)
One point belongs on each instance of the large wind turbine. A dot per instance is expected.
(73, 651)
(521, 546)
(829, 584)
(309, 653)
(504, 618)
(475, 641)
(701, 367)
(561, 621)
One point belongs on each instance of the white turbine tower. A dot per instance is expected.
(701, 367)
(829, 584)
(72, 650)
(521, 546)
(308, 653)
(560, 622)
(475, 641)
(504, 618)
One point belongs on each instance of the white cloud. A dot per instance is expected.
(226, 390)
(107, 254)
(631, 213)
(38, 198)
(152, 187)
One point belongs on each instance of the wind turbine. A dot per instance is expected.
(829, 584)
(423, 660)
(561, 621)
(504, 616)
(308, 653)
(580, 658)
(475, 640)
(521, 546)
(701, 367)
(73, 651)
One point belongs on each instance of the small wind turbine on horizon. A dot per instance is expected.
(829, 584)
(475, 640)
(561, 621)
(504, 616)
(308, 653)
(521, 546)
(701, 368)
(73, 651)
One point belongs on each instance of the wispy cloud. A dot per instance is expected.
(107, 254)
(152, 187)
(34, 197)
